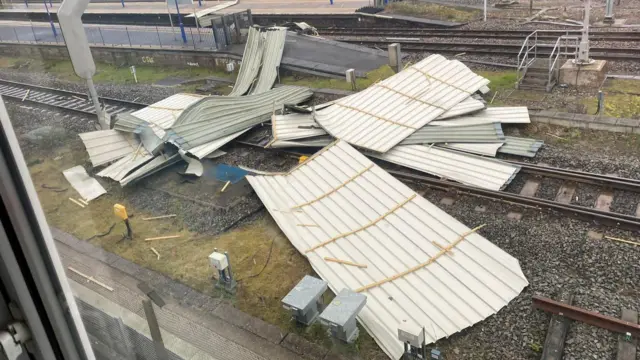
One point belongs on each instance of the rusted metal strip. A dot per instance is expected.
(585, 316)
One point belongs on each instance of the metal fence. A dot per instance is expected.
(112, 340)
(219, 32)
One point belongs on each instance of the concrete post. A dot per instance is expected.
(395, 57)
(583, 49)
(608, 12)
(96, 105)
(351, 78)
(250, 17)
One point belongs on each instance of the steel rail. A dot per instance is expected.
(63, 99)
(585, 316)
(613, 182)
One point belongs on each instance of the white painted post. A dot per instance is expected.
(351, 78)
(583, 49)
(395, 57)
(485, 10)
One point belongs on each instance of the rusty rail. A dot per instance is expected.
(585, 316)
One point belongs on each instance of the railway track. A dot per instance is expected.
(63, 99)
(78, 102)
(600, 53)
(549, 35)
(561, 203)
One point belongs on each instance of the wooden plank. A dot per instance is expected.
(627, 349)
(603, 202)
(565, 193)
(530, 188)
(556, 334)
(162, 237)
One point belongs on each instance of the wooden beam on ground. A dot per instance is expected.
(345, 262)
(163, 237)
(627, 348)
(556, 334)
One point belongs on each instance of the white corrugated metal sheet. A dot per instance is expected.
(320, 141)
(203, 150)
(521, 146)
(164, 113)
(504, 115)
(105, 146)
(273, 48)
(489, 149)
(364, 215)
(295, 126)
(156, 164)
(481, 133)
(119, 169)
(385, 113)
(251, 61)
(468, 169)
(88, 187)
(467, 106)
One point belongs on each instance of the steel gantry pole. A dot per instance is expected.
(583, 49)
(184, 35)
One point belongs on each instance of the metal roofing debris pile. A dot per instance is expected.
(251, 60)
(465, 168)
(387, 112)
(339, 204)
(482, 133)
(260, 60)
(466, 106)
(218, 116)
(294, 126)
(521, 146)
(105, 146)
(273, 48)
(504, 115)
(474, 148)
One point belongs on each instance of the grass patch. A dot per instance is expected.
(373, 76)
(500, 80)
(628, 86)
(432, 11)
(616, 105)
(106, 73)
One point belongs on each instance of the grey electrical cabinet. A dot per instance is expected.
(303, 299)
(340, 315)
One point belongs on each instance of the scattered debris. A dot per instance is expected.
(77, 202)
(225, 186)
(159, 217)
(90, 278)
(88, 187)
(53, 188)
(163, 237)
(83, 201)
(156, 252)
(622, 240)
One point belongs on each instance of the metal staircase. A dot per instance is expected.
(541, 73)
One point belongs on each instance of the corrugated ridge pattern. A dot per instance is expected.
(465, 168)
(521, 146)
(251, 60)
(121, 168)
(387, 112)
(475, 148)
(288, 127)
(482, 133)
(452, 293)
(273, 48)
(504, 115)
(466, 106)
(162, 114)
(105, 146)
(218, 116)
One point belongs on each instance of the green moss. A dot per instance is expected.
(432, 11)
(623, 85)
(315, 82)
(500, 80)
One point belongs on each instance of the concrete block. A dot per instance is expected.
(545, 113)
(561, 122)
(608, 127)
(564, 115)
(636, 130)
(628, 122)
(265, 330)
(540, 119)
(232, 315)
(584, 117)
(300, 346)
(592, 235)
(606, 120)
(591, 75)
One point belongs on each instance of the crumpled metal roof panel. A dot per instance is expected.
(387, 112)
(251, 61)
(465, 168)
(467, 106)
(295, 126)
(162, 114)
(271, 57)
(362, 214)
(521, 146)
(105, 146)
